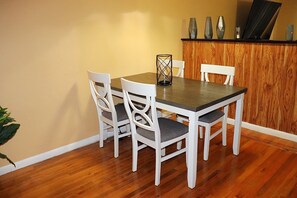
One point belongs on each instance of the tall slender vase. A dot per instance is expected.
(193, 28)
(208, 33)
(220, 27)
(290, 32)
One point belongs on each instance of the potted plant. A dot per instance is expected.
(8, 128)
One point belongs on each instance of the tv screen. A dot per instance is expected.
(261, 19)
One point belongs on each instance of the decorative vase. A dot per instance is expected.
(220, 27)
(208, 33)
(193, 28)
(237, 32)
(290, 32)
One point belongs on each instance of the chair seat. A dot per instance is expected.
(211, 117)
(169, 129)
(121, 112)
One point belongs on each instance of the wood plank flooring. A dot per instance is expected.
(266, 167)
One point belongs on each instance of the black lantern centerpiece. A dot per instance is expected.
(164, 69)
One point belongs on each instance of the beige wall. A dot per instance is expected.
(47, 47)
(287, 15)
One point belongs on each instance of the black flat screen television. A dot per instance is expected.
(261, 20)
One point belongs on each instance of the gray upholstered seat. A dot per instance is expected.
(121, 112)
(169, 129)
(212, 116)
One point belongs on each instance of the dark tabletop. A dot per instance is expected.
(189, 94)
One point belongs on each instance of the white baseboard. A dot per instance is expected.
(267, 131)
(49, 154)
(52, 153)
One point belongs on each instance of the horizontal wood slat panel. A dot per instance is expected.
(268, 70)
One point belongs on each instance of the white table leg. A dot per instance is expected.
(237, 125)
(192, 150)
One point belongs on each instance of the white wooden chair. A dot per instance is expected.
(179, 65)
(215, 116)
(109, 115)
(152, 131)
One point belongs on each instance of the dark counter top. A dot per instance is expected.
(244, 41)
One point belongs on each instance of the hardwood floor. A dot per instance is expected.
(266, 167)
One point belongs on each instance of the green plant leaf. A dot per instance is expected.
(7, 129)
(8, 132)
(2, 156)
(6, 120)
(3, 112)
(4, 117)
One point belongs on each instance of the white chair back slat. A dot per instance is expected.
(229, 71)
(181, 67)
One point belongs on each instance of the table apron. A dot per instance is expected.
(182, 111)
(218, 105)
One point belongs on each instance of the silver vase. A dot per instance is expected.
(220, 27)
(290, 32)
(193, 28)
(208, 33)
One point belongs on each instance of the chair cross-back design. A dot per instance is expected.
(150, 131)
(215, 116)
(109, 115)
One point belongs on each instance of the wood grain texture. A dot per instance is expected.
(265, 167)
(268, 70)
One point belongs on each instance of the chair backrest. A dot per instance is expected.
(180, 65)
(229, 71)
(147, 111)
(101, 92)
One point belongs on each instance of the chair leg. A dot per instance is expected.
(163, 152)
(158, 167)
(224, 126)
(206, 143)
(187, 157)
(116, 141)
(135, 154)
(128, 128)
(101, 134)
(178, 118)
(159, 113)
(201, 132)
(179, 145)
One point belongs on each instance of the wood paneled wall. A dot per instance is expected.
(268, 70)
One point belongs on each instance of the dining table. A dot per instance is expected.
(192, 99)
